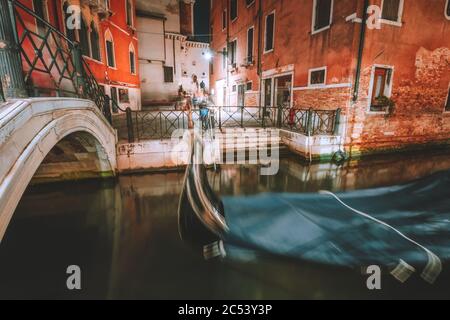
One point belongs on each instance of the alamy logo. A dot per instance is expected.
(374, 280)
(74, 280)
(73, 20)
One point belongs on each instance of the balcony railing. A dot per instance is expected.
(145, 125)
(52, 63)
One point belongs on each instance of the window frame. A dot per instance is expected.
(96, 29)
(447, 101)
(132, 50)
(371, 86)
(273, 32)
(109, 38)
(313, 20)
(250, 4)
(45, 13)
(234, 52)
(447, 7)
(126, 13)
(237, 11)
(224, 19)
(397, 23)
(310, 71)
(250, 54)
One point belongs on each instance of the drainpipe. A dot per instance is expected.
(260, 50)
(362, 38)
(228, 54)
(11, 76)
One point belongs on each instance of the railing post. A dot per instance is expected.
(337, 121)
(309, 122)
(130, 125)
(220, 118)
(77, 57)
(242, 117)
(11, 71)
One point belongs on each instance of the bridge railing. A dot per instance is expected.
(53, 64)
(160, 124)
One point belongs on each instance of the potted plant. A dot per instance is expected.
(385, 103)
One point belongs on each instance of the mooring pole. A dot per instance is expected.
(11, 74)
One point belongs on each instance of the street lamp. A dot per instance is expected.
(209, 54)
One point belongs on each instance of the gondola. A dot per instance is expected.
(403, 228)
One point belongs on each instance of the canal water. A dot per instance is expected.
(124, 236)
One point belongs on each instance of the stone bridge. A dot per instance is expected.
(50, 139)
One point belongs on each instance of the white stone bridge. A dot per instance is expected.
(48, 138)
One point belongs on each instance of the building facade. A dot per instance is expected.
(389, 76)
(168, 57)
(107, 37)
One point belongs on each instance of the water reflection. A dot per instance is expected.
(124, 235)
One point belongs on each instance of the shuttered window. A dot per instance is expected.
(322, 17)
(391, 10)
(233, 9)
(168, 74)
(250, 33)
(270, 27)
(110, 53)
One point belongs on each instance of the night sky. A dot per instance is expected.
(201, 23)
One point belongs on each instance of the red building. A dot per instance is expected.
(106, 33)
(390, 76)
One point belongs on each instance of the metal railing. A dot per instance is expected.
(53, 64)
(144, 125)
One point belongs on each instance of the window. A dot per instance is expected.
(84, 38)
(322, 15)
(270, 28)
(132, 60)
(168, 74)
(40, 8)
(233, 10)
(381, 87)
(232, 54)
(224, 20)
(250, 35)
(249, 2)
(317, 76)
(114, 99)
(392, 10)
(95, 47)
(447, 103)
(248, 86)
(447, 10)
(110, 54)
(233, 88)
(129, 11)
(124, 97)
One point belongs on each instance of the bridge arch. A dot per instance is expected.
(30, 129)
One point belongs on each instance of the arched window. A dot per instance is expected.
(129, 10)
(84, 37)
(95, 47)
(70, 32)
(132, 59)
(110, 55)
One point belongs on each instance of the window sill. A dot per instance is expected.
(392, 23)
(318, 85)
(92, 59)
(313, 32)
(268, 51)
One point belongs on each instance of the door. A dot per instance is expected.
(283, 94)
(241, 95)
